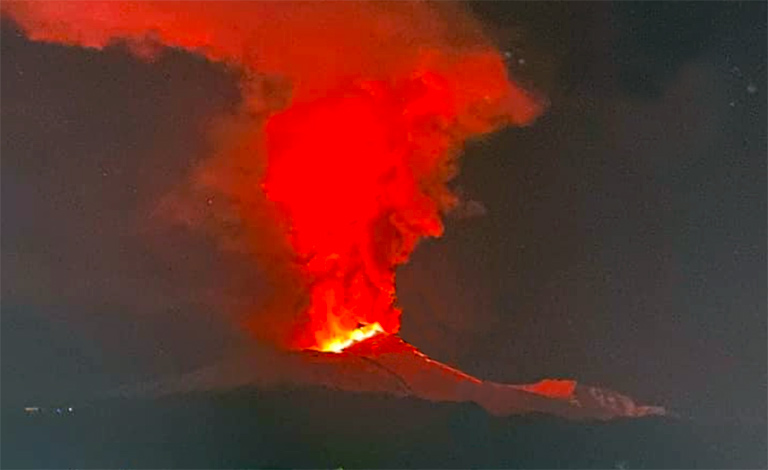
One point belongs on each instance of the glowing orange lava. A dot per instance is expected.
(345, 339)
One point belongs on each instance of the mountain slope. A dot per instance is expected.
(387, 364)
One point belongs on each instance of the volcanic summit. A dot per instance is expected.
(387, 364)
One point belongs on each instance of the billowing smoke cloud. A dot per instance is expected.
(337, 165)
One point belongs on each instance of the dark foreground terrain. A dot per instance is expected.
(319, 428)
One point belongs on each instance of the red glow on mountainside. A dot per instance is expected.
(552, 388)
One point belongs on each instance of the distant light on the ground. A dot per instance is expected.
(58, 410)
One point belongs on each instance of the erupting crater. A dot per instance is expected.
(346, 339)
(386, 364)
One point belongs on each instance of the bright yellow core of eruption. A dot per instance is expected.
(346, 339)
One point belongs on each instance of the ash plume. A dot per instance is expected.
(352, 119)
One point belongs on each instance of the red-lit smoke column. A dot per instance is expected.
(362, 173)
(355, 161)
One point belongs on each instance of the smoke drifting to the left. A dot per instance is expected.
(337, 164)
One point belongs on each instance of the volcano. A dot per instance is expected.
(336, 165)
(387, 364)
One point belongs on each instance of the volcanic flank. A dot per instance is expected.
(387, 364)
(352, 120)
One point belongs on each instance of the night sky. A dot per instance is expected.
(622, 241)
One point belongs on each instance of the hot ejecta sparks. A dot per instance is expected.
(355, 165)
